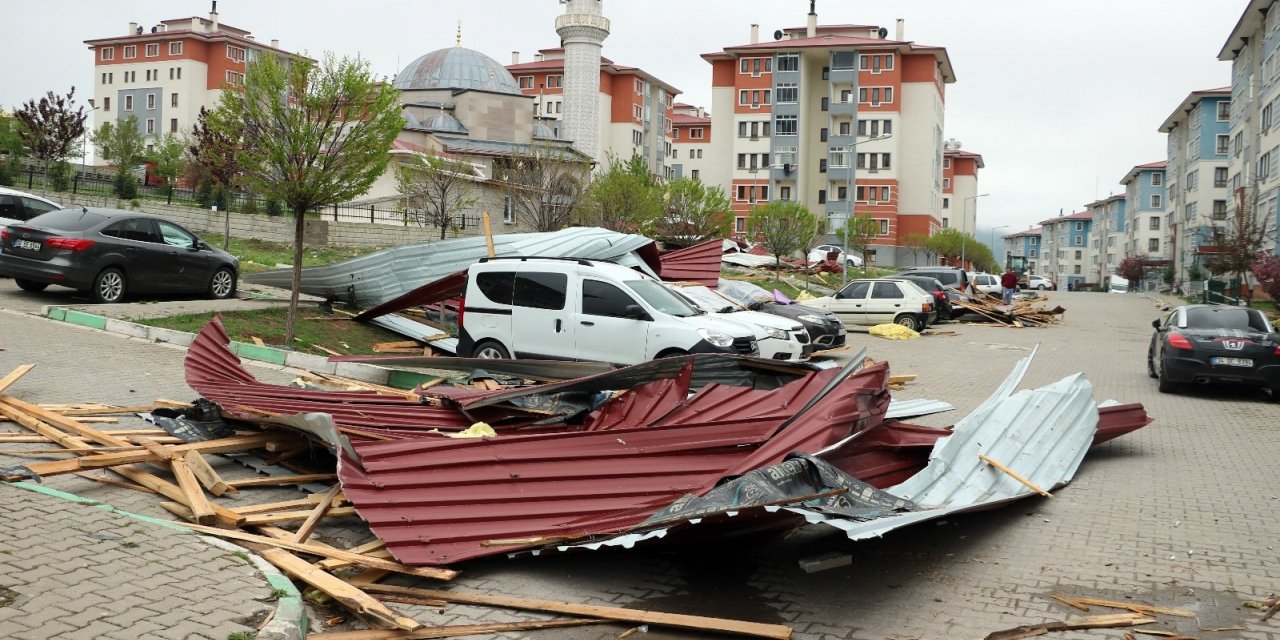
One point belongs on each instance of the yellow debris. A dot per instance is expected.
(893, 332)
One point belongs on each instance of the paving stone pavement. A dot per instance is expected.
(1184, 513)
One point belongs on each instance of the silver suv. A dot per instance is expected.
(950, 277)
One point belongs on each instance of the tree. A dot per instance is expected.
(784, 227)
(1267, 270)
(313, 134)
(52, 127)
(858, 233)
(693, 213)
(11, 148)
(949, 244)
(917, 242)
(169, 156)
(546, 185)
(624, 198)
(1132, 268)
(435, 189)
(1243, 238)
(121, 143)
(213, 166)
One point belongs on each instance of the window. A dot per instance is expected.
(785, 125)
(742, 129)
(104, 78)
(1264, 166)
(151, 101)
(508, 210)
(1153, 245)
(1219, 209)
(822, 134)
(175, 48)
(1079, 254)
(173, 125)
(788, 92)
(844, 128)
(235, 78)
(153, 49)
(1033, 253)
(875, 95)
(107, 53)
(839, 156)
(784, 193)
(151, 125)
(1155, 201)
(694, 174)
(179, 73)
(540, 290)
(526, 82)
(946, 203)
(106, 104)
(946, 183)
(873, 161)
(740, 224)
(884, 226)
(1223, 144)
(824, 103)
(1157, 178)
(842, 193)
(822, 165)
(876, 63)
(235, 53)
(788, 62)
(946, 163)
(786, 156)
(691, 156)
(822, 196)
(1224, 110)
(128, 103)
(637, 138)
(1077, 270)
(173, 99)
(555, 82)
(131, 51)
(886, 290)
(1033, 240)
(1266, 118)
(696, 133)
(1154, 223)
(1079, 242)
(699, 153)
(742, 161)
(1219, 177)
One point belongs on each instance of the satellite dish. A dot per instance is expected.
(777, 35)
(139, 29)
(153, 29)
(884, 33)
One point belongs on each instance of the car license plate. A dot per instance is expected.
(26, 244)
(1232, 362)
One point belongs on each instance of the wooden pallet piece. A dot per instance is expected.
(309, 525)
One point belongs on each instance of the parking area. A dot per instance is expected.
(1182, 513)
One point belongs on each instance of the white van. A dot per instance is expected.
(778, 337)
(571, 309)
(1118, 284)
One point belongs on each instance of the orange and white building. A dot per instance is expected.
(960, 188)
(690, 143)
(840, 118)
(634, 107)
(165, 73)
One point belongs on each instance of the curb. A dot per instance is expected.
(289, 622)
(271, 355)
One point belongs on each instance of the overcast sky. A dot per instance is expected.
(1060, 98)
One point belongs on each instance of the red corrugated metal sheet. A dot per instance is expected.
(643, 405)
(699, 263)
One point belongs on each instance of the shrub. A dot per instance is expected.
(274, 208)
(1267, 269)
(204, 193)
(61, 174)
(125, 185)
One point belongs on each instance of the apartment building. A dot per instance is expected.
(634, 107)
(164, 74)
(690, 143)
(1254, 174)
(1064, 248)
(1107, 236)
(1025, 246)
(960, 187)
(1197, 184)
(839, 118)
(1145, 198)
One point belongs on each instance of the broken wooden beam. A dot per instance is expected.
(309, 525)
(281, 517)
(1015, 475)
(13, 376)
(1091, 622)
(457, 630)
(190, 486)
(278, 480)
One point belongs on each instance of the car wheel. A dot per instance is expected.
(492, 350)
(1041, 287)
(1151, 366)
(672, 353)
(27, 285)
(109, 286)
(908, 321)
(1165, 385)
(1275, 393)
(223, 284)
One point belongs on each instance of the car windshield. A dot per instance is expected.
(1226, 318)
(67, 220)
(660, 298)
(744, 292)
(706, 299)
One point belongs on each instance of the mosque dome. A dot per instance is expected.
(444, 123)
(456, 68)
(543, 132)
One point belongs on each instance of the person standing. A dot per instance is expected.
(1008, 285)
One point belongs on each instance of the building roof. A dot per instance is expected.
(1189, 103)
(224, 32)
(1032, 232)
(468, 146)
(606, 65)
(680, 119)
(1107, 200)
(456, 68)
(1083, 215)
(1251, 20)
(960, 153)
(1150, 166)
(840, 42)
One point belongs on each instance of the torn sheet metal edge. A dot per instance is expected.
(916, 408)
(415, 330)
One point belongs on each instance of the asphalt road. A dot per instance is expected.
(1183, 513)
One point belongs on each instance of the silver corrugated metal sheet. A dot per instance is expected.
(749, 260)
(411, 328)
(915, 408)
(382, 276)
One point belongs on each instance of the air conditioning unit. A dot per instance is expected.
(786, 168)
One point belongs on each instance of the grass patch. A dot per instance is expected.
(346, 337)
(261, 255)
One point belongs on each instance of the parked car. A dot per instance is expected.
(880, 301)
(987, 283)
(939, 291)
(1210, 343)
(825, 329)
(777, 337)
(570, 309)
(19, 206)
(820, 253)
(112, 254)
(1040, 282)
(950, 277)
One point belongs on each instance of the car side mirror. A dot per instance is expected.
(1155, 324)
(635, 312)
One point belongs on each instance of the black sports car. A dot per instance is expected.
(1209, 343)
(824, 328)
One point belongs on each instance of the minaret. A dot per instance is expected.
(582, 30)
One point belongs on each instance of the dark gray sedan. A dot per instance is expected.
(110, 253)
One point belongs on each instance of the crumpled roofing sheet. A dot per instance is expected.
(385, 275)
(699, 263)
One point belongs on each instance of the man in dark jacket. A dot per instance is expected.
(1008, 285)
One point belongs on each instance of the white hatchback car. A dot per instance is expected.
(880, 301)
(820, 253)
(1039, 282)
(986, 283)
(19, 206)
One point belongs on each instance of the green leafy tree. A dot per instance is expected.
(860, 232)
(211, 156)
(693, 213)
(546, 185)
(918, 243)
(784, 227)
(169, 156)
(949, 244)
(52, 127)
(121, 144)
(625, 197)
(314, 134)
(11, 149)
(435, 189)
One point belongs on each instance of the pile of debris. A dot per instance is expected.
(692, 447)
(1023, 312)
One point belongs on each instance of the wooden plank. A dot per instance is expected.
(384, 347)
(278, 480)
(348, 596)
(330, 552)
(281, 517)
(309, 525)
(488, 233)
(115, 483)
(376, 546)
(45, 430)
(675, 620)
(205, 473)
(173, 492)
(285, 505)
(1090, 622)
(149, 452)
(164, 403)
(196, 500)
(1136, 607)
(105, 410)
(63, 423)
(457, 630)
(1015, 475)
(13, 376)
(903, 378)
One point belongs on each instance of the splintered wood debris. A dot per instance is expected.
(187, 486)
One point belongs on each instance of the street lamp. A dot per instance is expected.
(964, 237)
(853, 198)
(993, 238)
(84, 139)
